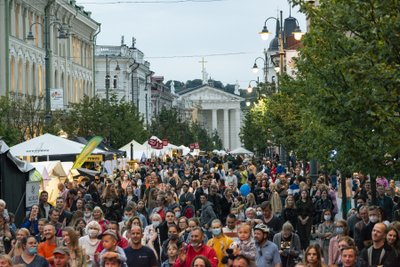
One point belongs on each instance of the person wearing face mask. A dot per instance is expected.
(195, 248)
(173, 238)
(374, 217)
(29, 256)
(341, 230)
(87, 214)
(325, 232)
(90, 241)
(219, 242)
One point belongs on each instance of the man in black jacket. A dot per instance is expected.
(379, 254)
(44, 206)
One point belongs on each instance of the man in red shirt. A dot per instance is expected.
(195, 248)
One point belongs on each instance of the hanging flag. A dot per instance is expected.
(86, 151)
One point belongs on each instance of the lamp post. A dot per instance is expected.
(108, 77)
(62, 34)
(281, 51)
(281, 40)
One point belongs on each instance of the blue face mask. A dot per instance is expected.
(32, 251)
(339, 230)
(216, 232)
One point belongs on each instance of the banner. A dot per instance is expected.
(86, 151)
(32, 193)
(56, 99)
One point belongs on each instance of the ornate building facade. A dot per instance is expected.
(70, 58)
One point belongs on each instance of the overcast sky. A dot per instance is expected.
(175, 34)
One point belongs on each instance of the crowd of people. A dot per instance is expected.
(207, 211)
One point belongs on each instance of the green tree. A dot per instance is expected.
(117, 121)
(171, 125)
(348, 82)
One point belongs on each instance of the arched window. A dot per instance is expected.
(115, 82)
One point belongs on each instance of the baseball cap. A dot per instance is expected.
(61, 250)
(110, 233)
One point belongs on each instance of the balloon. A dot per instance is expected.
(245, 189)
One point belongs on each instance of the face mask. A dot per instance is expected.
(156, 223)
(216, 232)
(88, 214)
(93, 232)
(327, 217)
(32, 251)
(339, 230)
(177, 214)
(125, 218)
(373, 219)
(259, 213)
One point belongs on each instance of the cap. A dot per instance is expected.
(110, 233)
(262, 227)
(61, 250)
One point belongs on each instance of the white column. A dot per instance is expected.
(226, 129)
(237, 128)
(214, 120)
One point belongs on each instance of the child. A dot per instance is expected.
(110, 240)
(4, 211)
(172, 255)
(246, 245)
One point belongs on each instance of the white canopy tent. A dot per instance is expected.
(185, 149)
(241, 151)
(48, 145)
(138, 150)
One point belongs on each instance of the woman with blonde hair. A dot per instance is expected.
(5, 261)
(16, 244)
(77, 257)
(250, 201)
(90, 242)
(98, 216)
(289, 212)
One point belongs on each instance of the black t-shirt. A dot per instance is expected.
(143, 257)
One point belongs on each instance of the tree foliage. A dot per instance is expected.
(22, 117)
(171, 125)
(117, 121)
(343, 106)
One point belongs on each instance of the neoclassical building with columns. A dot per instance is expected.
(215, 110)
(22, 63)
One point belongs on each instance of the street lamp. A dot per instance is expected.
(264, 33)
(108, 77)
(250, 88)
(255, 66)
(62, 34)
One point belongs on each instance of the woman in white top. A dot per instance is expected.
(89, 242)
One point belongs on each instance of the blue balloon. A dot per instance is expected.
(245, 189)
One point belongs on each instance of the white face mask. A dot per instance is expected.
(374, 219)
(88, 214)
(93, 233)
(327, 217)
(259, 213)
(155, 224)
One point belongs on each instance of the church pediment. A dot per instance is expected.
(208, 93)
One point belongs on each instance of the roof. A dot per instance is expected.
(189, 90)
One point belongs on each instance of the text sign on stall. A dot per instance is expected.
(32, 194)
